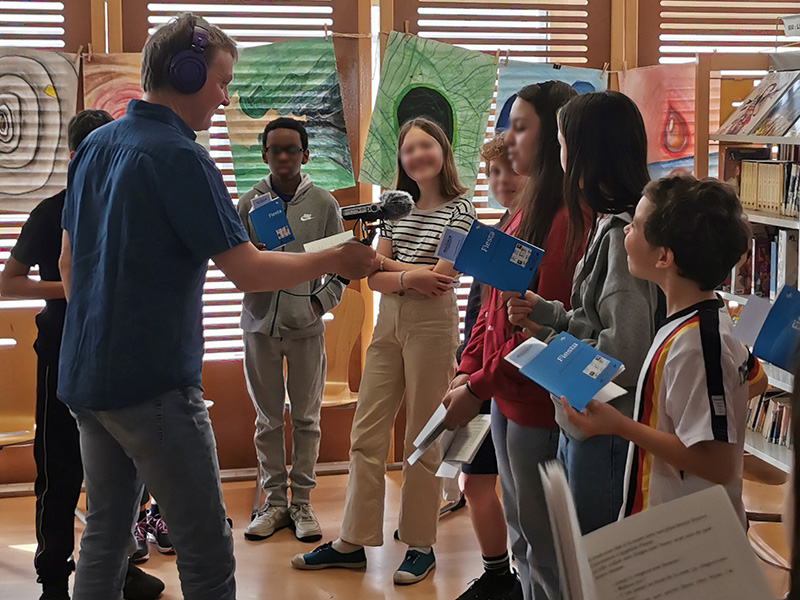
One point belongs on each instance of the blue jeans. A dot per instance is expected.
(167, 443)
(520, 450)
(596, 471)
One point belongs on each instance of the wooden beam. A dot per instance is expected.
(631, 28)
(98, 20)
(77, 25)
(624, 34)
(387, 24)
(114, 25)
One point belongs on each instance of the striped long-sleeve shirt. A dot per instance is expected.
(416, 237)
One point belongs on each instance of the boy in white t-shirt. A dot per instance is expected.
(691, 399)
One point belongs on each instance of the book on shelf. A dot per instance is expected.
(770, 417)
(749, 114)
(693, 547)
(771, 186)
(761, 259)
(732, 165)
(787, 256)
(742, 278)
(779, 118)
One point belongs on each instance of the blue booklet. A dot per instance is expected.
(569, 367)
(773, 330)
(270, 222)
(497, 259)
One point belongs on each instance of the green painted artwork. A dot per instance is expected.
(423, 78)
(289, 79)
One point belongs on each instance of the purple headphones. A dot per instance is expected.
(188, 69)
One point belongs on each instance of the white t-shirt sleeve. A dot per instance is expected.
(697, 413)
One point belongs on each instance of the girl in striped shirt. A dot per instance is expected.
(411, 358)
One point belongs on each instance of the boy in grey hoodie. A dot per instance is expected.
(288, 325)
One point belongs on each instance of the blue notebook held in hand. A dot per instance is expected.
(497, 259)
(571, 368)
(270, 222)
(773, 330)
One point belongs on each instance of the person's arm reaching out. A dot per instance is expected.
(252, 270)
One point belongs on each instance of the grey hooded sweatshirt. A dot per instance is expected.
(611, 310)
(313, 214)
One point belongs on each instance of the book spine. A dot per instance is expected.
(773, 268)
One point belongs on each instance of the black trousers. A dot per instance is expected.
(59, 475)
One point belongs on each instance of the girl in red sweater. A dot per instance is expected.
(523, 425)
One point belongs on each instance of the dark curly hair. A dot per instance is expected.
(702, 222)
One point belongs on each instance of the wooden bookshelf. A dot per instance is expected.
(778, 378)
(774, 454)
(774, 219)
(755, 139)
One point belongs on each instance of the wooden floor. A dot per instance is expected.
(263, 569)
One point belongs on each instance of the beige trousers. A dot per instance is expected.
(411, 357)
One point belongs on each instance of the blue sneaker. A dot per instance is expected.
(326, 557)
(415, 567)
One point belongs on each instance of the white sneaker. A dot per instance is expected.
(267, 521)
(304, 521)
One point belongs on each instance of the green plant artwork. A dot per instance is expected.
(423, 78)
(289, 79)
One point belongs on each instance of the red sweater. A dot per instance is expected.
(493, 337)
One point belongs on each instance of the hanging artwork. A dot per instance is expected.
(423, 78)
(664, 95)
(289, 79)
(110, 81)
(38, 96)
(516, 74)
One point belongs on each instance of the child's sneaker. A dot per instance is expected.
(305, 524)
(142, 550)
(415, 567)
(326, 557)
(491, 586)
(267, 521)
(158, 534)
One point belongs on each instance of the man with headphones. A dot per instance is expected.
(146, 209)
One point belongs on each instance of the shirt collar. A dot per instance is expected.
(159, 112)
(711, 305)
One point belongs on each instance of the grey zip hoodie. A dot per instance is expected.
(313, 214)
(611, 310)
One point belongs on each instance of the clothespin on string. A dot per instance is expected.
(89, 56)
(405, 29)
(497, 56)
(326, 32)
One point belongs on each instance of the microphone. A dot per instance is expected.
(392, 206)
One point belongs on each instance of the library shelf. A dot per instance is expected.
(774, 219)
(774, 454)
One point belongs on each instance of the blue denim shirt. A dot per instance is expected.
(146, 208)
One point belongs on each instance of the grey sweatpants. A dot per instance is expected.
(305, 380)
(520, 450)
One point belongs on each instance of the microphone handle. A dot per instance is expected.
(367, 241)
